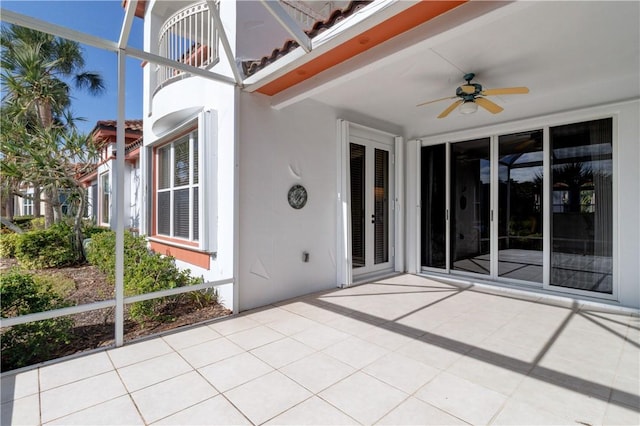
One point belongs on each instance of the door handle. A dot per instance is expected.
(373, 218)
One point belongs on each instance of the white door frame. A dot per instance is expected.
(344, 261)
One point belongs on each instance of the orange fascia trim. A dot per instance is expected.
(410, 18)
(194, 257)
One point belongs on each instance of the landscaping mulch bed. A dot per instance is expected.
(95, 329)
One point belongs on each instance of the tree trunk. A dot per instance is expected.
(77, 226)
(9, 206)
(36, 201)
(48, 208)
(15, 228)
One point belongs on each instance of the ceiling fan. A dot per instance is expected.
(472, 94)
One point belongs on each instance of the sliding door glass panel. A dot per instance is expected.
(433, 206)
(582, 206)
(520, 198)
(357, 171)
(470, 206)
(381, 207)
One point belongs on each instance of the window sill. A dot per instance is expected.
(185, 253)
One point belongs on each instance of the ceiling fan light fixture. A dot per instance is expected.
(468, 107)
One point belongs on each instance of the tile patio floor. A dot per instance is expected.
(405, 350)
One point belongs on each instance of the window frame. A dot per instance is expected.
(27, 205)
(194, 137)
(104, 192)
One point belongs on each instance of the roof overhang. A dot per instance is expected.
(374, 25)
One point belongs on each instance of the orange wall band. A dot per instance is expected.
(416, 15)
(196, 258)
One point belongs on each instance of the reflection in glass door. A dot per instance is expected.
(582, 206)
(433, 220)
(470, 206)
(357, 175)
(520, 197)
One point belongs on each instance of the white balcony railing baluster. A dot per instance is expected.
(190, 37)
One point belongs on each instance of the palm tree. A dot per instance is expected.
(37, 70)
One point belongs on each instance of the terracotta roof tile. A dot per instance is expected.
(130, 125)
(250, 67)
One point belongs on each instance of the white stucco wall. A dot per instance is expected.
(277, 150)
(182, 100)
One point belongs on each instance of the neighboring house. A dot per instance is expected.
(297, 166)
(100, 181)
(23, 206)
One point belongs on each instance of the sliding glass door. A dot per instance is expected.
(516, 207)
(520, 205)
(582, 213)
(470, 206)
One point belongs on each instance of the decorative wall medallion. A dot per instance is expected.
(297, 196)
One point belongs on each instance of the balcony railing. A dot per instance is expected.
(303, 14)
(189, 36)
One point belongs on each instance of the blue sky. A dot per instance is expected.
(102, 19)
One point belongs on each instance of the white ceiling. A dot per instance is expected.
(570, 55)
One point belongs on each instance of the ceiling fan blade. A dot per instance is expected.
(451, 107)
(468, 89)
(505, 91)
(436, 100)
(488, 105)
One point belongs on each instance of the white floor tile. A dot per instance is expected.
(233, 325)
(364, 398)
(313, 411)
(492, 375)
(234, 371)
(431, 354)
(16, 386)
(320, 337)
(561, 401)
(171, 396)
(76, 396)
(213, 411)
(517, 412)
(267, 396)
(356, 352)
(24, 411)
(209, 352)
(416, 412)
(282, 352)
(318, 371)
(401, 372)
(291, 324)
(255, 337)
(119, 411)
(152, 371)
(136, 352)
(268, 314)
(618, 414)
(470, 402)
(74, 369)
(193, 336)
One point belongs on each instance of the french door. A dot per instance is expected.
(371, 189)
(534, 207)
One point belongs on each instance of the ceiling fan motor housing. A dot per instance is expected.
(464, 93)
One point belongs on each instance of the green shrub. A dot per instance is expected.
(37, 224)
(144, 271)
(23, 222)
(91, 230)
(29, 343)
(8, 244)
(49, 248)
